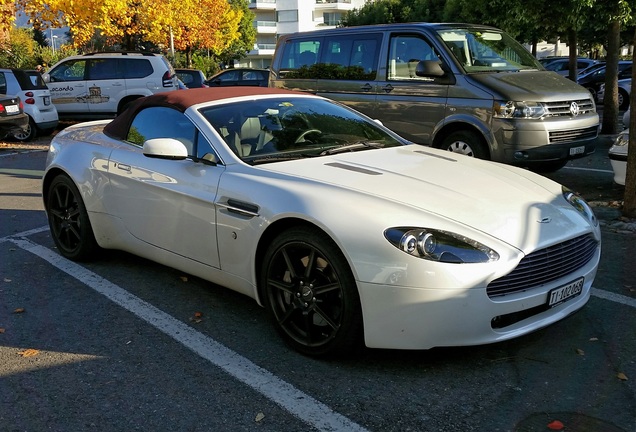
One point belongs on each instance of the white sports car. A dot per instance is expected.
(341, 229)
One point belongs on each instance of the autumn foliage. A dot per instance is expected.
(184, 24)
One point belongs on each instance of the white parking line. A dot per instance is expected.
(589, 169)
(301, 405)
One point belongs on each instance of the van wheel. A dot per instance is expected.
(467, 143)
(592, 91)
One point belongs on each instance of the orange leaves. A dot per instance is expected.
(29, 352)
(556, 425)
(197, 317)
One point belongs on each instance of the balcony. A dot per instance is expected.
(265, 27)
(333, 5)
(262, 4)
(263, 49)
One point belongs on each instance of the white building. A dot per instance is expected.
(275, 18)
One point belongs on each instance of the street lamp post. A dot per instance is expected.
(53, 43)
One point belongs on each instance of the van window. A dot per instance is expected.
(405, 51)
(352, 57)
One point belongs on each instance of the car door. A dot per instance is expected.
(410, 105)
(168, 204)
(106, 84)
(350, 65)
(67, 83)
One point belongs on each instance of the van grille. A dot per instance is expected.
(573, 135)
(562, 108)
(545, 265)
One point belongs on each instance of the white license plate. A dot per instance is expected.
(566, 292)
(577, 150)
(47, 100)
(12, 109)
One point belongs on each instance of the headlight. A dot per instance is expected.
(438, 245)
(581, 205)
(511, 109)
(622, 139)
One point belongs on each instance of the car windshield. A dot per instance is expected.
(283, 128)
(487, 51)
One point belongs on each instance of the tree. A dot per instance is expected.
(239, 48)
(210, 24)
(629, 199)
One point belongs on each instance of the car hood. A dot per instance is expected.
(514, 205)
(542, 86)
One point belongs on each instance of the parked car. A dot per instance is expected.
(12, 117)
(191, 78)
(624, 90)
(240, 77)
(618, 156)
(562, 65)
(593, 81)
(101, 84)
(456, 87)
(344, 231)
(36, 97)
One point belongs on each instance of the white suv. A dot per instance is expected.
(29, 86)
(102, 84)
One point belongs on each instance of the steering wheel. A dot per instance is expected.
(301, 137)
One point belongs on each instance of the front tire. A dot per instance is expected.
(467, 143)
(68, 220)
(310, 293)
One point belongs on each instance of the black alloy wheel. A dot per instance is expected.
(310, 293)
(68, 220)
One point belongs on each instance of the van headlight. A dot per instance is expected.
(580, 205)
(512, 109)
(438, 245)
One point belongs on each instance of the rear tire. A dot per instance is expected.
(29, 134)
(68, 220)
(623, 99)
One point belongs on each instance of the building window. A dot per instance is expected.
(287, 16)
(332, 19)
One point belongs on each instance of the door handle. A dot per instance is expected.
(124, 167)
(387, 88)
(367, 87)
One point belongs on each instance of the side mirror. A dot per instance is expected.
(429, 68)
(46, 77)
(165, 148)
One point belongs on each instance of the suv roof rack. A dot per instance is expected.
(144, 53)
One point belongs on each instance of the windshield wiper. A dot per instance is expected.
(278, 158)
(359, 145)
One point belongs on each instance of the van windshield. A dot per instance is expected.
(487, 51)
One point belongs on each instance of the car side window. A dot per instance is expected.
(72, 70)
(136, 68)
(3, 83)
(163, 122)
(405, 52)
(229, 76)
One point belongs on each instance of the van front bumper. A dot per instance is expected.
(528, 141)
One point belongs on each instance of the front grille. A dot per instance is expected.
(573, 135)
(562, 108)
(545, 265)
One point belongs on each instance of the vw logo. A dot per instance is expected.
(574, 109)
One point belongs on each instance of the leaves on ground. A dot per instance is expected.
(259, 417)
(184, 278)
(197, 318)
(580, 352)
(621, 376)
(29, 352)
(19, 311)
(556, 425)
(1, 330)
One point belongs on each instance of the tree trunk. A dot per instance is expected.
(610, 104)
(629, 204)
(572, 42)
